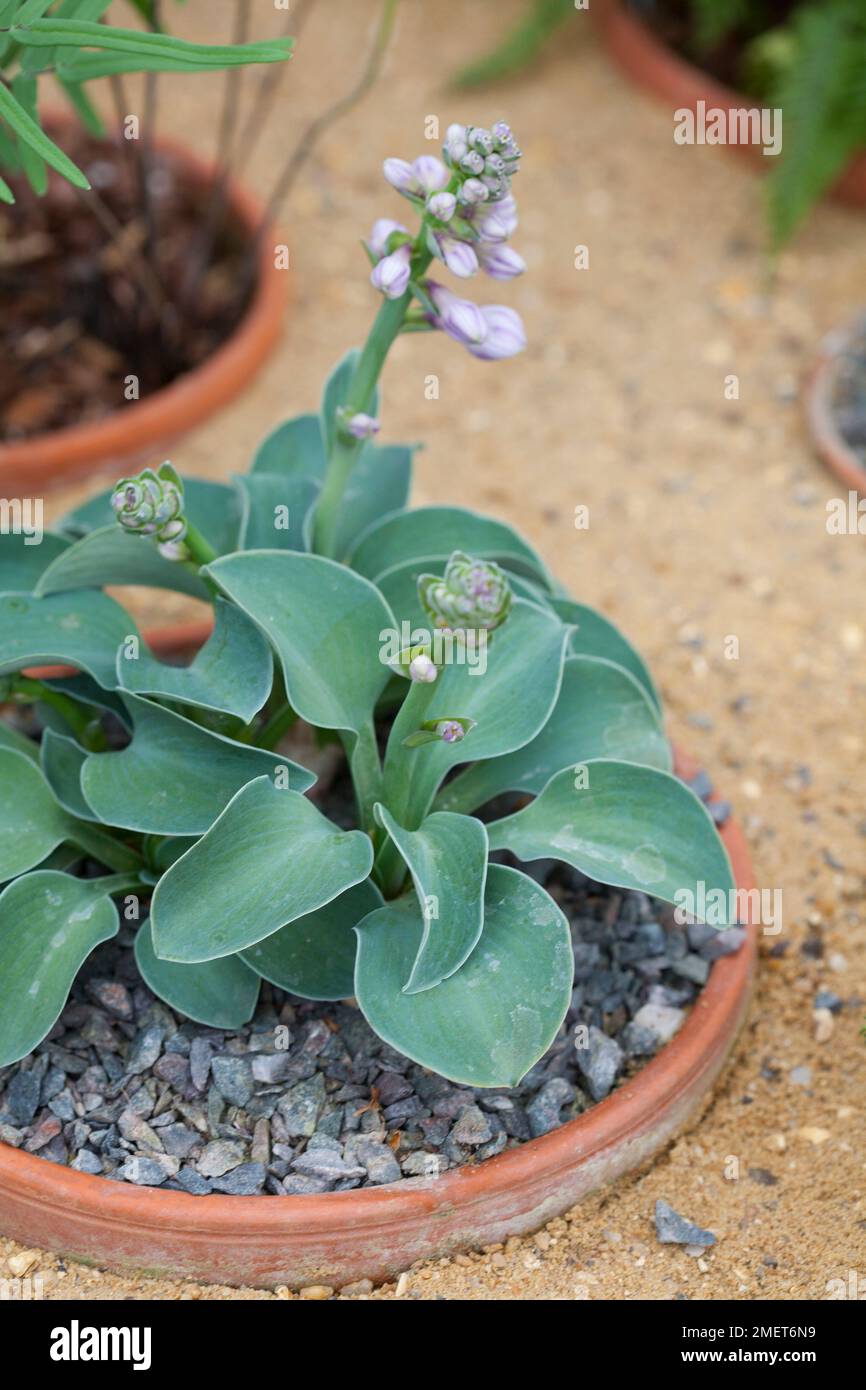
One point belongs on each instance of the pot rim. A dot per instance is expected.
(658, 68)
(830, 445)
(192, 397)
(699, 1047)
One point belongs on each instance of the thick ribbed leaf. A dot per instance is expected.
(436, 532)
(602, 712)
(19, 743)
(213, 508)
(447, 858)
(324, 623)
(270, 858)
(488, 1023)
(31, 822)
(278, 511)
(219, 993)
(593, 635)
(22, 564)
(112, 556)
(631, 826)
(232, 673)
(293, 449)
(49, 924)
(510, 702)
(314, 956)
(175, 777)
(83, 629)
(378, 485)
(62, 760)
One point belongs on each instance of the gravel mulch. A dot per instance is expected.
(307, 1099)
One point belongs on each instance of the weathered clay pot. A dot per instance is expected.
(830, 445)
(375, 1233)
(653, 65)
(132, 435)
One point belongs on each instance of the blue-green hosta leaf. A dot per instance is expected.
(324, 622)
(314, 956)
(270, 858)
(602, 712)
(487, 1024)
(447, 858)
(232, 673)
(434, 532)
(293, 449)
(631, 826)
(213, 508)
(510, 702)
(278, 511)
(49, 924)
(21, 565)
(175, 777)
(31, 822)
(112, 556)
(85, 690)
(62, 760)
(336, 395)
(399, 587)
(219, 993)
(378, 485)
(593, 635)
(19, 743)
(83, 629)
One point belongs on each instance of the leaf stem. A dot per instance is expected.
(279, 724)
(80, 720)
(103, 847)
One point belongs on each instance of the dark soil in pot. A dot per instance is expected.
(673, 22)
(101, 287)
(306, 1099)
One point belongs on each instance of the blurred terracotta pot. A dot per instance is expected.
(830, 444)
(377, 1232)
(131, 436)
(652, 64)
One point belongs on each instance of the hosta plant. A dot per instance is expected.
(485, 717)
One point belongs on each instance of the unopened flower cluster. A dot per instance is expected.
(468, 214)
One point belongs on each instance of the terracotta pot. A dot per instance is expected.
(131, 436)
(652, 64)
(830, 445)
(378, 1232)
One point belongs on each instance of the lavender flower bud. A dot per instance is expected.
(391, 275)
(450, 731)
(442, 205)
(459, 318)
(459, 256)
(173, 550)
(430, 173)
(481, 140)
(472, 163)
(474, 191)
(421, 669)
(472, 594)
(360, 426)
(401, 176)
(500, 261)
(383, 227)
(505, 335)
(455, 146)
(497, 222)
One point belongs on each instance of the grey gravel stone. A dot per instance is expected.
(193, 1182)
(826, 999)
(86, 1161)
(472, 1127)
(244, 1181)
(660, 1019)
(233, 1079)
(22, 1096)
(378, 1159)
(220, 1156)
(149, 1172)
(301, 1106)
(200, 1054)
(145, 1051)
(600, 1062)
(544, 1109)
(673, 1229)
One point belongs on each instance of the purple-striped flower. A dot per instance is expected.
(430, 173)
(442, 205)
(496, 221)
(401, 175)
(391, 275)
(383, 227)
(505, 335)
(459, 256)
(459, 318)
(499, 261)
(361, 426)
